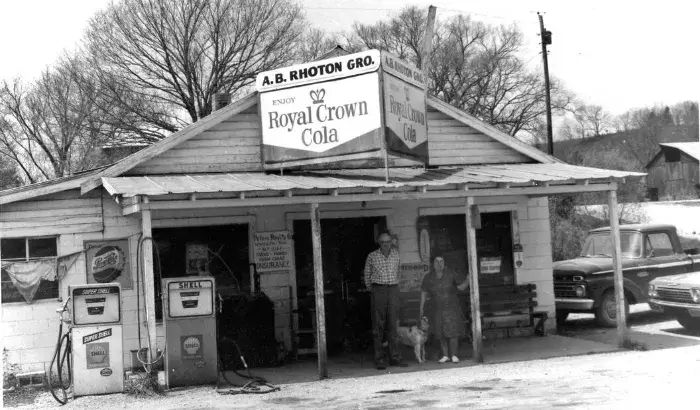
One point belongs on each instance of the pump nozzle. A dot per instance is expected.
(64, 307)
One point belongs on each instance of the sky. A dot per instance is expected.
(617, 54)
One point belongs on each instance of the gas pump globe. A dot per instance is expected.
(98, 362)
(189, 319)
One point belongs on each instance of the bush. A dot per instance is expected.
(569, 228)
(9, 371)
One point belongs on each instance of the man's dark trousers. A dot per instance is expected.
(385, 313)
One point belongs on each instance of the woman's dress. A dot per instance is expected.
(446, 318)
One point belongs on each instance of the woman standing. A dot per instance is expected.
(447, 321)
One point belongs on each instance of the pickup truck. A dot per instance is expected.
(585, 284)
(678, 295)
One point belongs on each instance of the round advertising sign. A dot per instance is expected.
(107, 264)
(191, 345)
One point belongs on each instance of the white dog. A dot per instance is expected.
(415, 336)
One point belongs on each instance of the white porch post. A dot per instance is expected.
(319, 292)
(617, 269)
(473, 281)
(148, 281)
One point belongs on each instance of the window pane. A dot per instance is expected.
(12, 248)
(660, 244)
(39, 248)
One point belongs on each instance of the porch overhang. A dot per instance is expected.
(139, 193)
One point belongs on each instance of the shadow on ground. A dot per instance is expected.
(648, 330)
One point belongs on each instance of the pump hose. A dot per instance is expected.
(253, 386)
(63, 340)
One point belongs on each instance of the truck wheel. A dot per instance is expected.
(689, 322)
(561, 316)
(606, 312)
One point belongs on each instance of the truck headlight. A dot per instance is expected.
(695, 293)
(652, 291)
(580, 291)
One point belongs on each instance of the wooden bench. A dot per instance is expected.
(510, 311)
(505, 310)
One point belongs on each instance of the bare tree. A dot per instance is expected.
(474, 67)
(181, 53)
(316, 43)
(588, 120)
(58, 124)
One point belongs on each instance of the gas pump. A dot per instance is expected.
(189, 321)
(96, 333)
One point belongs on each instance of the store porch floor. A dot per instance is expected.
(360, 364)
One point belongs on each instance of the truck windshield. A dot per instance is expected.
(600, 244)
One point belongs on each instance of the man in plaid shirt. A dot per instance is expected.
(382, 279)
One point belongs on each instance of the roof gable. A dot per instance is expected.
(492, 132)
(175, 151)
(171, 141)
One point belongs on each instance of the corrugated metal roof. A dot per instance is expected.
(356, 178)
(690, 148)
(47, 187)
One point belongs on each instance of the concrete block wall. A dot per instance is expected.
(535, 236)
(30, 330)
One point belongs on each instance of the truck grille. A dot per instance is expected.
(674, 295)
(564, 290)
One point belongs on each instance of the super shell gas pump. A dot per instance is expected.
(98, 361)
(189, 319)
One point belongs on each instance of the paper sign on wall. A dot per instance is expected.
(489, 265)
(273, 251)
(411, 276)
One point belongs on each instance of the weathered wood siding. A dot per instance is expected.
(234, 146)
(60, 213)
(452, 143)
(674, 180)
(231, 146)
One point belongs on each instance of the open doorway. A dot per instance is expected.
(494, 245)
(345, 244)
(244, 315)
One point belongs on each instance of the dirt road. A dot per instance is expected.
(664, 375)
(643, 379)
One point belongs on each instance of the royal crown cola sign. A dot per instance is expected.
(331, 110)
(329, 119)
(405, 113)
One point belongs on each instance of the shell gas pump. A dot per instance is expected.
(96, 333)
(189, 321)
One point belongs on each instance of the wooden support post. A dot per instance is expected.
(148, 281)
(617, 269)
(319, 292)
(473, 281)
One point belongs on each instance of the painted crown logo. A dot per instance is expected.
(317, 95)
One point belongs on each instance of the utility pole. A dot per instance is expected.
(546, 38)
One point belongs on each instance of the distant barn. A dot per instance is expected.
(673, 172)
